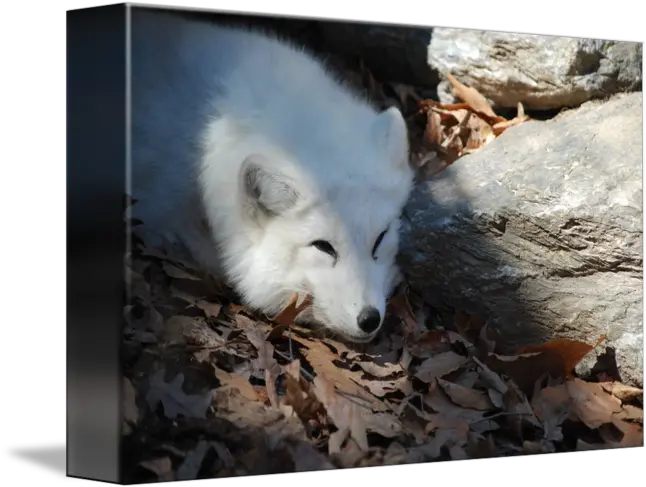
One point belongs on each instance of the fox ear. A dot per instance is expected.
(266, 190)
(391, 135)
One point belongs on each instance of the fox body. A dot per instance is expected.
(272, 173)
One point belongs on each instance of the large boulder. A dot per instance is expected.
(542, 72)
(541, 232)
(393, 53)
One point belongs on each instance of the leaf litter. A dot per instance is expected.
(211, 389)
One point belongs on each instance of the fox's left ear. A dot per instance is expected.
(391, 135)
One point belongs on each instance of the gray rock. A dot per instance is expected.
(541, 232)
(393, 53)
(542, 72)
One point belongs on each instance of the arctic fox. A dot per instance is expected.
(272, 173)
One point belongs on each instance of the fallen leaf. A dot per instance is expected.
(631, 413)
(342, 412)
(177, 273)
(211, 310)
(224, 454)
(433, 131)
(552, 405)
(527, 368)
(235, 381)
(571, 351)
(429, 344)
(319, 356)
(336, 440)
(467, 379)
(536, 447)
(500, 127)
(192, 463)
(401, 308)
(267, 363)
(439, 402)
(296, 306)
(439, 366)
(474, 99)
(465, 396)
(631, 434)
(175, 401)
(519, 409)
(490, 378)
(130, 410)
(381, 371)
(307, 458)
(298, 393)
(621, 391)
(151, 319)
(456, 452)
(591, 404)
(479, 446)
(162, 467)
(468, 326)
(447, 431)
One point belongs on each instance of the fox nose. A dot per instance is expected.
(369, 319)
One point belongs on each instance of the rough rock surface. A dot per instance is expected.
(393, 53)
(543, 72)
(541, 232)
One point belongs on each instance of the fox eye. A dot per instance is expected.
(376, 246)
(325, 246)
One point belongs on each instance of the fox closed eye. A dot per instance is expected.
(378, 242)
(325, 246)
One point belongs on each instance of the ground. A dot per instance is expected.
(211, 389)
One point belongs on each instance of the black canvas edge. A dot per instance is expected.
(97, 148)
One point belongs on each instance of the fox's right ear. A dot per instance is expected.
(266, 191)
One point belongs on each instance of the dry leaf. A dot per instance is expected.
(266, 362)
(466, 397)
(571, 351)
(429, 344)
(480, 446)
(433, 131)
(500, 127)
(295, 307)
(474, 99)
(237, 382)
(175, 401)
(439, 402)
(211, 310)
(343, 413)
(490, 378)
(130, 410)
(468, 326)
(631, 434)
(621, 391)
(526, 369)
(162, 467)
(400, 307)
(322, 360)
(439, 366)
(177, 273)
(298, 393)
(190, 467)
(307, 458)
(591, 404)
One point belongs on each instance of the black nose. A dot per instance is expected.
(369, 319)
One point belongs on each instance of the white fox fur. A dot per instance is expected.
(247, 150)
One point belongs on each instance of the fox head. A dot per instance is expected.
(331, 228)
